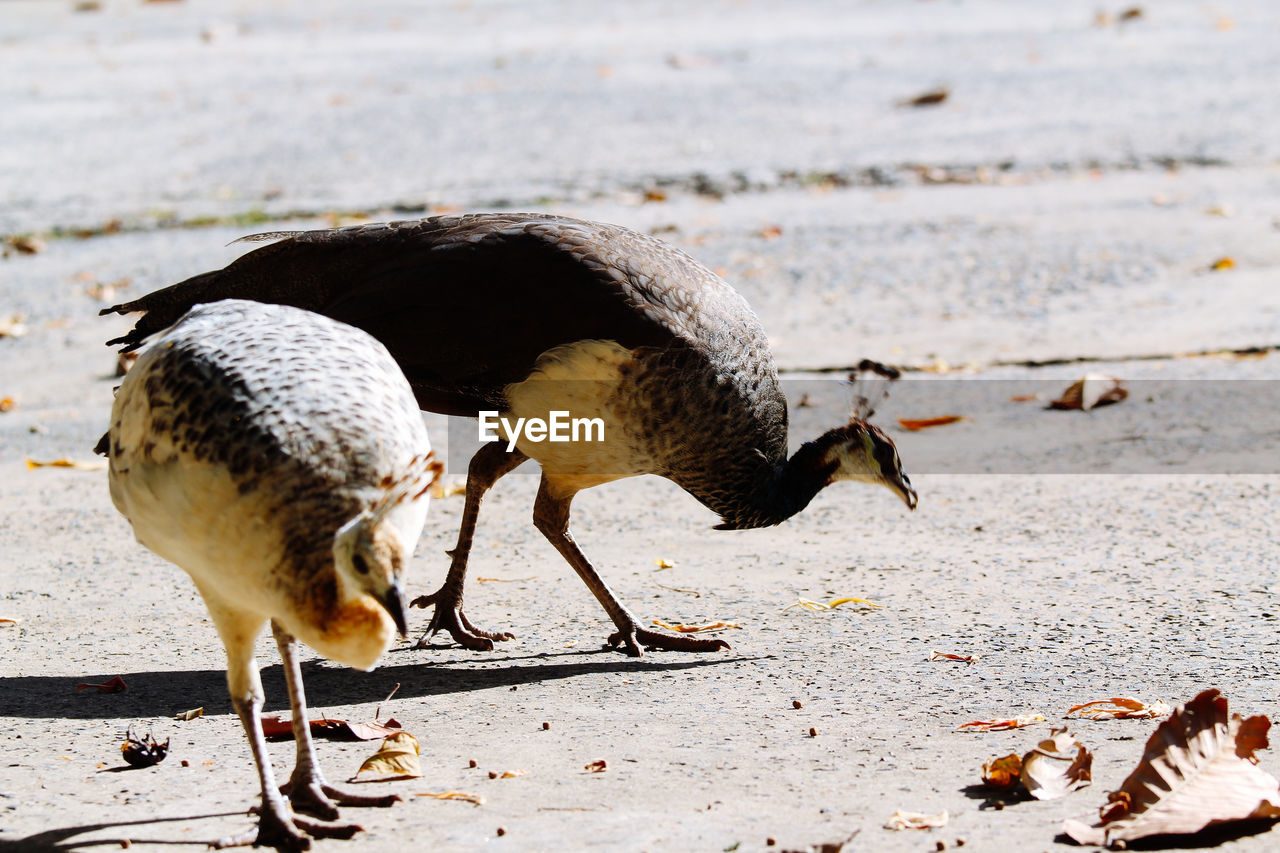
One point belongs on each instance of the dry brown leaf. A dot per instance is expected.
(597, 766)
(1001, 725)
(916, 820)
(695, 629)
(23, 244)
(1057, 766)
(1089, 392)
(1119, 708)
(1198, 770)
(507, 774)
(1131, 14)
(111, 685)
(277, 727)
(188, 716)
(66, 463)
(1223, 264)
(959, 658)
(914, 425)
(1024, 398)
(474, 799)
(931, 98)
(396, 758)
(1002, 773)
(5, 621)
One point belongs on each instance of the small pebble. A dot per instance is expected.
(546, 726)
(813, 732)
(795, 703)
(186, 763)
(941, 845)
(960, 842)
(471, 763)
(769, 842)
(501, 832)
(126, 843)
(493, 774)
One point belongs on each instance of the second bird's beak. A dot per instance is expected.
(393, 601)
(902, 488)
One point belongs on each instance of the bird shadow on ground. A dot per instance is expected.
(165, 693)
(54, 840)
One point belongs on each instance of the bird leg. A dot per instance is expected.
(307, 789)
(490, 463)
(276, 826)
(551, 516)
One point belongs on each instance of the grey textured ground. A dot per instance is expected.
(1066, 202)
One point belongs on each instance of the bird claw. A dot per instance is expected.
(276, 829)
(448, 616)
(319, 799)
(631, 640)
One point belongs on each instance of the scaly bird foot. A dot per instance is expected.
(631, 640)
(319, 799)
(448, 616)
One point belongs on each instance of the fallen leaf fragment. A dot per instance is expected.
(692, 592)
(7, 404)
(1131, 14)
(1057, 766)
(771, 232)
(810, 604)
(396, 758)
(1001, 725)
(915, 425)
(7, 621)
(916, 820)
(111, 685)
(598, 766)
(505, 580)
(66, 463)
(959, 658)
(664, 563)
(1119, 708)
(333, 729)
(23, 244)
(931, 98)
(1002, 773)
(188, 716)
(1024, 398)
(474, 799)
(1223, 264)
(695, 629)
(1091, 391)
(509, 774)
(441, 490)
(1198, 770)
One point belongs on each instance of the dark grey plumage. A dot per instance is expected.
(471, 306)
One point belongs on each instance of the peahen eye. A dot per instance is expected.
(360, 565)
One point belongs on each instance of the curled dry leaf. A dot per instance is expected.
(6, 621)
(1198, 770)
(396, 758)
(1001, 725)
(1091, 391)
(1119, 708)
(188, 716)
(277, 727)
(916, 820)
(958, 658)
(1002, 773)
(474, 799)
(695, 629)
(509, 774)
(597, 766)
(111, 685)
(1057, 766)
(915, 425)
